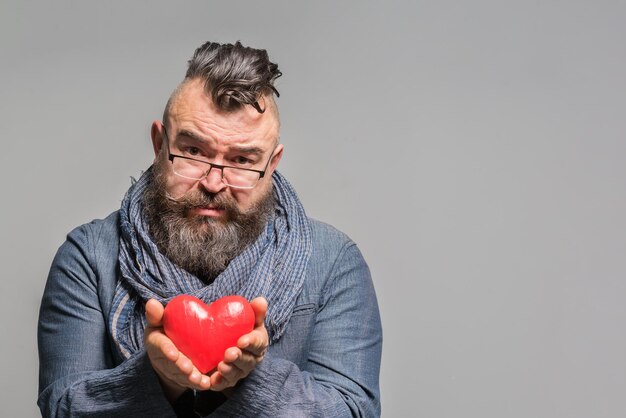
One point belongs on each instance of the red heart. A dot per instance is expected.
(203, 333)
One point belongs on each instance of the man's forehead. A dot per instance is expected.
(193, 109)
(191, 95)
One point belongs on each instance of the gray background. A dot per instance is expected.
(474, 151)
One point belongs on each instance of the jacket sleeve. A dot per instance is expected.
(77, 375)
(340, 378)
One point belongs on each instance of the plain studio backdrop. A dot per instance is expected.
(473, 149)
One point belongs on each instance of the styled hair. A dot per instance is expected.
(234, 75)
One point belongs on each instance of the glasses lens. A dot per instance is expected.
(240, 178)
(196, 170)
(189, 168)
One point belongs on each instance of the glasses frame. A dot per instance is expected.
(221, 167)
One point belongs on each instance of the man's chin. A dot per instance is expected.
(203, 224)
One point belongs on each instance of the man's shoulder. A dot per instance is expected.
(333, 255)
(323, 233)
(98, 231)
(328, 243)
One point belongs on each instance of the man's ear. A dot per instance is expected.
(157, 137)
(278, 154)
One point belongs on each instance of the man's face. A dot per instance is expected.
(203, 224)
(243, 138)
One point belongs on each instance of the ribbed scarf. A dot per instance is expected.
(272, 267)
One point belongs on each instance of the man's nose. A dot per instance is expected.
(213, 181)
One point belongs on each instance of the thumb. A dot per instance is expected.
(154, 313)
(259, 306)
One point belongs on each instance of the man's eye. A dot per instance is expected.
(193, 151)
(241, 160)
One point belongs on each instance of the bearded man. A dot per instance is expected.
(212, 217)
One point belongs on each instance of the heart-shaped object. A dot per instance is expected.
(203, 333)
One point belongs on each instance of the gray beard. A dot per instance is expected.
(201, 245)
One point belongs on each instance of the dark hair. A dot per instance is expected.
(234, 75)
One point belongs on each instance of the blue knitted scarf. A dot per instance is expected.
(272, 267)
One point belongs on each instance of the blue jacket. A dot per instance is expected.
(325, 365)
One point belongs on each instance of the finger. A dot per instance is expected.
(189, 375)
(171, 362)
(175, 370)
(217, 382)
(246, 363)
(194, 380)
(259, 306)
(186, 367)
(184, 373)
(232, 354)
(157, 343)
(255, 342)
(154, 313)
(205, 383)
(231, 368)
(230, 371)
(243, 361)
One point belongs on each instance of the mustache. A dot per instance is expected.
(201, 199)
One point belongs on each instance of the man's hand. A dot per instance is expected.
(241, 360)
(176, 372)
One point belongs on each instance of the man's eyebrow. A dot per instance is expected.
(190, 134)
(254, 150)
(244, 149)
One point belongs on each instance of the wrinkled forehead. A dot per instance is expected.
(191, 107)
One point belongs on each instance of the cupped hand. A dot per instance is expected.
(175, 370)
(239, 361)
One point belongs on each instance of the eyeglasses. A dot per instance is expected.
(194, 169)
